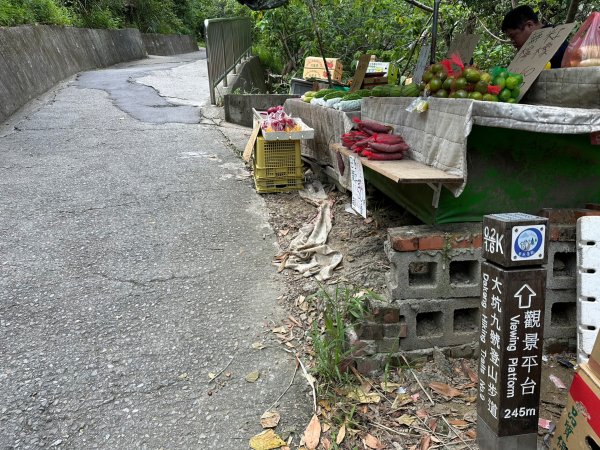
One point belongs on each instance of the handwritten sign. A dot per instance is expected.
(359, 74)
(422, 63)
(464, 44)
(359, 198)
(537, 51)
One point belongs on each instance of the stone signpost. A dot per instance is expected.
(513, 290)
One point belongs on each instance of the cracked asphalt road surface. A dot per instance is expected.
(134, 261)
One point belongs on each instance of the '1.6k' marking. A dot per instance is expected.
(492, 241)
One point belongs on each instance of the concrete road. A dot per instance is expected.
(134, 261)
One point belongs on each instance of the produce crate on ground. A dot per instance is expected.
(277, 166)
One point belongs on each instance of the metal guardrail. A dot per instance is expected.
(228, 41)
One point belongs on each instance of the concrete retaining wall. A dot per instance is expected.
(33, 59)
(172, 44)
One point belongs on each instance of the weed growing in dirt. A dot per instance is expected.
(337, 308)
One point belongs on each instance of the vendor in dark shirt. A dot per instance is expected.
(519, 23)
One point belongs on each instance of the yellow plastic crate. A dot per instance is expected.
(278, 184)
(276, 154)
(278, 172)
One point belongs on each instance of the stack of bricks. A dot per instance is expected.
(434, 288)
(561, 285)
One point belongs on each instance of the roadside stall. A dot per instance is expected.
(468, 158)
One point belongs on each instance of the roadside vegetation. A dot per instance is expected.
(390, 29)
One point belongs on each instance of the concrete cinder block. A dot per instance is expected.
(439, 322)
(562, 265)
(561, 314)
(388, 345)
(434, 274)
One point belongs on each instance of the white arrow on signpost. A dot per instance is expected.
(520, 294)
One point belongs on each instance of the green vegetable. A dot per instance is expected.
(354, 96)
(323, 93)
(336, 94)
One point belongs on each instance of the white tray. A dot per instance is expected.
(306, 132)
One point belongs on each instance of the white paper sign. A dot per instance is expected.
(537, 51)
(359, 197)
(422, 63)
(378, 67)
(464, 45)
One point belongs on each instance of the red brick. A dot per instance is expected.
(594, 206)
(566, 216)
(391, 315)
(586, 212)
(477, 240)
(404, 244)
(432, 242)
(562, 233)
(403, 330)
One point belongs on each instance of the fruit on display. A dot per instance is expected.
(584, 46)
(308, 96)
(277, 120)
(442, 80)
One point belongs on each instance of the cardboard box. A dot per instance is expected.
(579, 425)
(314, 68)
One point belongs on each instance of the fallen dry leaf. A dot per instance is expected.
(468, 371)
(284, 232)
(372, 442)
(326, 443)
(458, 423)
(362, 398)
(325, 427)
(270, 419)
(341, 435)
(390, 387)
(252, 376)
(445, 390)
(432, 424)
(258, 346)
(406, 419)
(401, 400)
(422, 414)
(312, 434)
(325, 405)
(280, 330)
(471, 434)
(212, 376)
(267, 440)
(425, 442)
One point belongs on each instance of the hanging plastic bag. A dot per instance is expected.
(584, 49)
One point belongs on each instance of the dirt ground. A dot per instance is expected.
(431, 404)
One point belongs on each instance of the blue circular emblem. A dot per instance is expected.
(528, 242)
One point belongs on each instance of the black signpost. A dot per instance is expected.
(511, 334)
